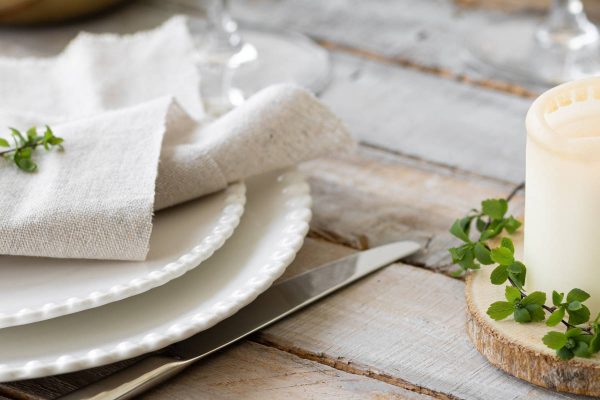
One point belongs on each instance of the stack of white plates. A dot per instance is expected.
(208, 258)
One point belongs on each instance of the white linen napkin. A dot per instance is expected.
(130, 113)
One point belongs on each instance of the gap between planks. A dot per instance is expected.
(371, 158)
(352, 368)
(449, 168)
(497, 85)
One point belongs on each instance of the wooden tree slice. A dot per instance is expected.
(518, 348)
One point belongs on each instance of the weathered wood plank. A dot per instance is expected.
(429, 117)
(253, 371)
(405, 325)
(431, 33)
(374, 197)
(592, 7)
(507, 5)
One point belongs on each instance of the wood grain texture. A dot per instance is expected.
(403, 324)
(375, 197)
(518, 348)
(513, 6)
(253, 371)
(430, 33)
(431, 118)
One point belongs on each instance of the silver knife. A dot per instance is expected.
(275, 303)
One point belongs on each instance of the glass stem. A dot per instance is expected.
(224, 30)
(567, 27)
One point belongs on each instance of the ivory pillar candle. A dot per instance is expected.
(562, 201)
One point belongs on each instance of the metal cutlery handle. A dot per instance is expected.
(275, 303)
(130, 381)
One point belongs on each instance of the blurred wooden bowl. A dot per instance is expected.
(19, 12)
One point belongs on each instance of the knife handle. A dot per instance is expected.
(130, 381)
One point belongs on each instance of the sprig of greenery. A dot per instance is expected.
(580, 338)
(489, 222)
(25, 145)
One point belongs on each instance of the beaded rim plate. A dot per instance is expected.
(265, 243)
(36, 289)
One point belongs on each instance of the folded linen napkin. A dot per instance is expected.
(129, 111)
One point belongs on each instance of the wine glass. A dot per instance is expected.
(238, 62)
(564, 47)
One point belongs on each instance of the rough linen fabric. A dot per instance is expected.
(129, 111)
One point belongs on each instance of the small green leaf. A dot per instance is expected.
(557, 316)
(500, 310)
(502, 256)
(506, 242)
(557, 298)
(457, 273)
(32, 135)
(512, 294)
(24, 152)
(595, 342)
(26, 164)
(572, 332)
(577, 295)
(16, 134)
(522, 315)
(536, 311)
(483, 254)
(555, 340)
(55, 140)
(480, 224)
(495, 208)
(48, 134)
(517, 273)
(468, 261)
(499, 275)
(515, 268)
(582, 350)
(580, 316)
(457, 254)
(574, 306)
(535, 298)
(565, 354)
(512, 225)
(458, 231)
(4, 143)
(488, 234)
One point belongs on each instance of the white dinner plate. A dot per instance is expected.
(36, 289)
(271, 232)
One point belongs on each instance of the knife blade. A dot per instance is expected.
(275, 303)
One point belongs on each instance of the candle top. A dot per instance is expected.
(566, 119)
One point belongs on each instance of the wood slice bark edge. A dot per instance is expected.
(523, 356)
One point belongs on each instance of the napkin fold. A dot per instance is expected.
(136, 141)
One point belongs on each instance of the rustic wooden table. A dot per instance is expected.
(438, 136)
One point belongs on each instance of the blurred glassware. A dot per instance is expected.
(239, 62)
(564, 47)
(48, 11)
